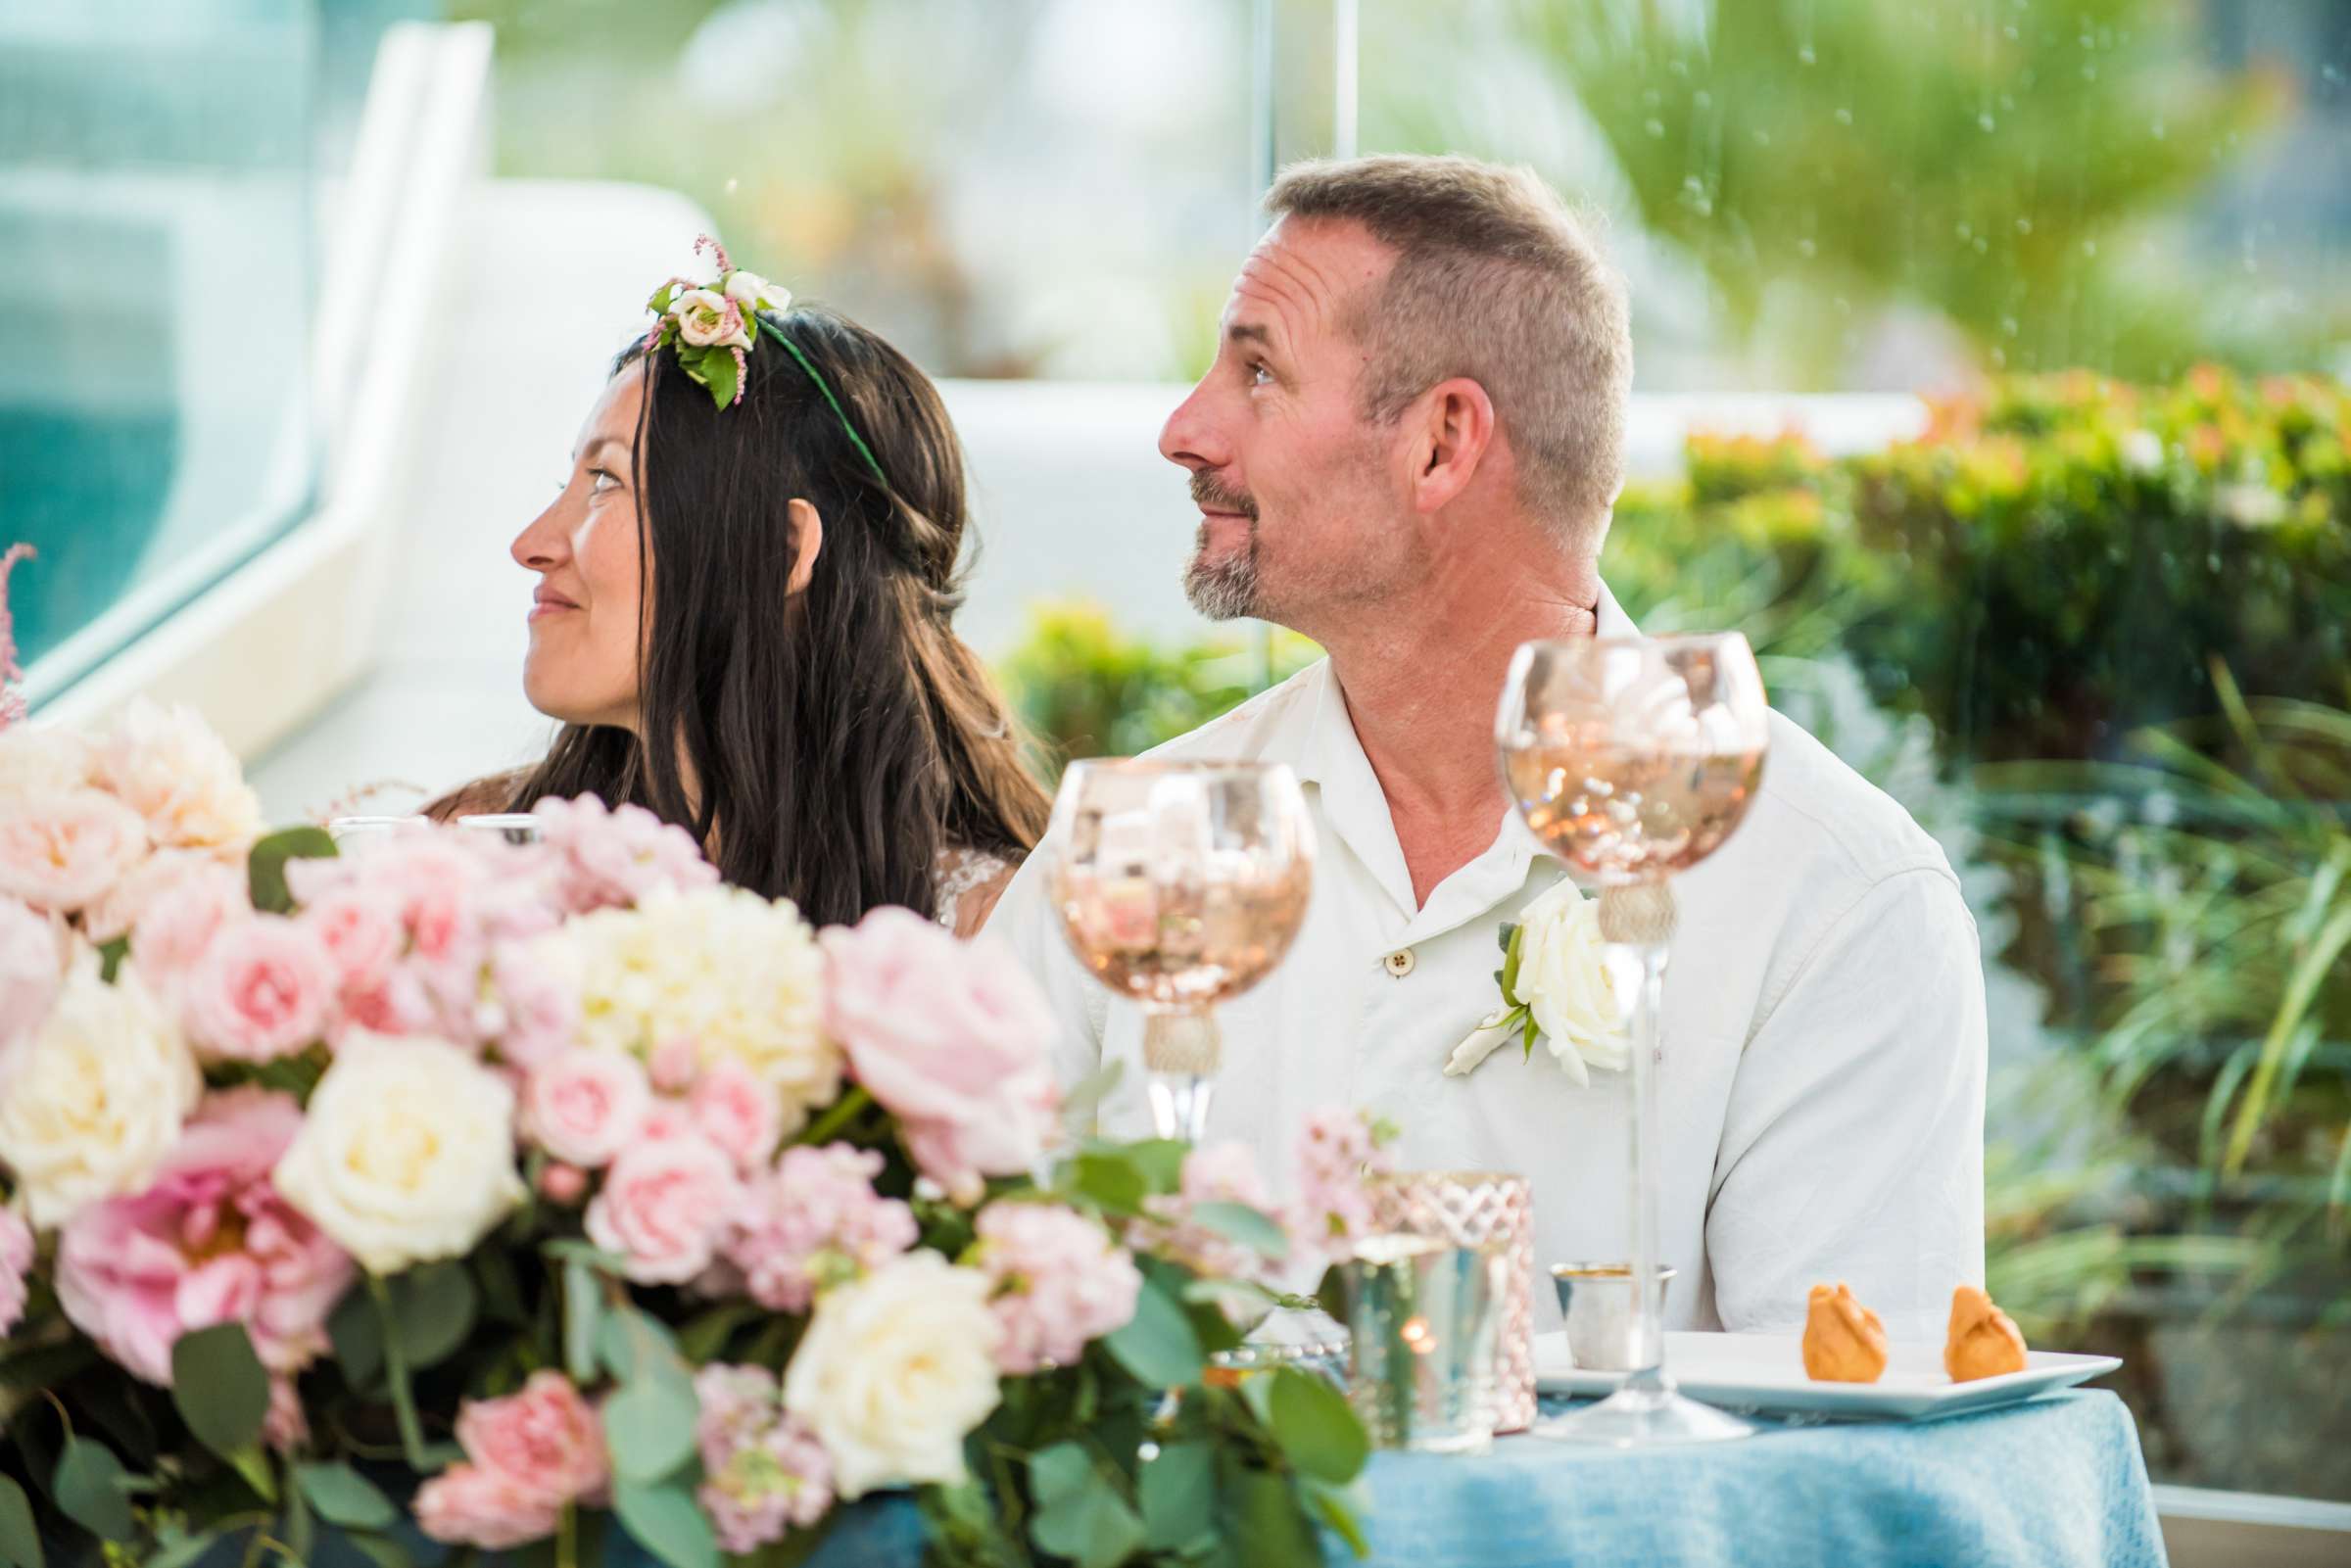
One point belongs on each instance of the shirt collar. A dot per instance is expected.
(1321, 746)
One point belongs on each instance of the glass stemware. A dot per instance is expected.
(1631, 759)
(1181, 885)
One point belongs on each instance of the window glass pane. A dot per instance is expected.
(155, 308)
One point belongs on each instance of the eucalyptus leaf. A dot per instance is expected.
(90, 1490)
(1109, 1181)
(385, 1552)
(1244, 1224)
(1177, 1489)
(266, 865)
(1341, 1508)
(220, 1388)
(1316, 1426)
(183, 1549)
(20, 1535)
(666, 1520)
(703, 1339)
(1158, 1344)
(357, 1332)
(649, 1426)
(344, 1497)
(110, 956)
(434, 1305)
(1272, 1529)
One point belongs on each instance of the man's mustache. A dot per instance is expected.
(1211, 495)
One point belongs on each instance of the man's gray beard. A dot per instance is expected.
(1227, 590)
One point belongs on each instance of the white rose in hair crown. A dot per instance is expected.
(1554, 983)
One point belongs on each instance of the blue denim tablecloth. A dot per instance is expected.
(2055, 1481)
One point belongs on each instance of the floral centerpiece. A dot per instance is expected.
(518, 1195)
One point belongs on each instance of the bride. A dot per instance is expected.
(744, 617)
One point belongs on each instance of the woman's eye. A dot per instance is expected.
(600, 480)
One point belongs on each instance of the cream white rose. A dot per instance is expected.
(895, 1370)
(168, 766)
(65, 850)
(96, 1097)
(753, 291)
(41, 760)
(1563, 980)
(705, 321)
(406, 1153)
(739, 976)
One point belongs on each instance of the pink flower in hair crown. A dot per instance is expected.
(711, 325)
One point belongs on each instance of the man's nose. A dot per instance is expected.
(1190, 438)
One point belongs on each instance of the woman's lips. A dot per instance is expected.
(549, 605)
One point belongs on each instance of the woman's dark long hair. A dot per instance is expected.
(838, 738)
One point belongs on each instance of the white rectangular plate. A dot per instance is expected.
(1764, 1374)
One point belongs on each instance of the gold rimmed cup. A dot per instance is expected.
(1596, 1301)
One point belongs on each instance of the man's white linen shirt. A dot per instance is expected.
(1821, 1062)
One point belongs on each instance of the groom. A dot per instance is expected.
(1407, 449)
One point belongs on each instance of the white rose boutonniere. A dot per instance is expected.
(1554, 983)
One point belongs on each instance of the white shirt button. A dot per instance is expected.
(1399, 963)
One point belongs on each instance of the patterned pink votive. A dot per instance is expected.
(1480, 1209)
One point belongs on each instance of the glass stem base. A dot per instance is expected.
(1647, 1413)
(1182, 1051)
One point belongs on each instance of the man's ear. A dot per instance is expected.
(1456, 433)
(807, 541)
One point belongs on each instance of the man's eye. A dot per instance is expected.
(1259, 375)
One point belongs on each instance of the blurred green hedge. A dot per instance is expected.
(2047, 569)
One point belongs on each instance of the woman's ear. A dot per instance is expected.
(808, 539)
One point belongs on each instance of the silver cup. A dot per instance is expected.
(1597, 1299)
(1424, 1317)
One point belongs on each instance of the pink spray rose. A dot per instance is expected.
(605, 859)
(1060, 1282)
(264, 988)
(126, 904)
(33, 969)
(1214, 1174)
(544, 1438)
(539, 1008)
(814, 1220)
(359, 929)
(584, 1107)
(471, 1505)
(61, 850)
(664, 1207)
(738, 1111)
(15, 1262)
(764, 1472)
(950, 1036)
(209, 1241)
(177, 927)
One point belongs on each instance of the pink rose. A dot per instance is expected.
(539, 1008)
(664, 1207)
(178, 924)
(209, 1241)
(676, 1061)
(15, 1262)
(544, 1438)
(615, 858)
(61, 850)
(737, 1112)
(471, 1505)
(33, 969)
(264, 988)
(359, 931)
(126, 903)
(951, 1038)
(584, 1107)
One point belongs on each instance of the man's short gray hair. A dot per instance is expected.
(1495, 280)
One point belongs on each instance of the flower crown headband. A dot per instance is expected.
(711, 325)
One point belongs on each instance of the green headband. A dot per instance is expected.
(711, 325)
